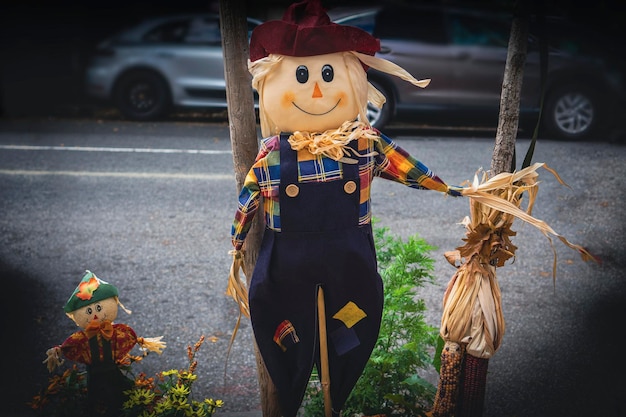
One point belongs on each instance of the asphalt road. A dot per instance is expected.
(148, 207)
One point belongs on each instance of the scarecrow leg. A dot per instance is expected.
(325, 377)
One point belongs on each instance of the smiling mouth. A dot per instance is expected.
(316, 114)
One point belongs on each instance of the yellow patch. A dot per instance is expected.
(350, 314)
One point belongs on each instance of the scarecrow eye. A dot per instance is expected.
(98, 308)
(327, 73)
(302, 74)
(89, 311)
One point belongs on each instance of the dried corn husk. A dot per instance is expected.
(472, 310)
(472, 304)
(472, 301)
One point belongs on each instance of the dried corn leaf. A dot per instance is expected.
(472, 312)
(498, 201)
(472, 309)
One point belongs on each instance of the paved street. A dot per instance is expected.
(148, 207)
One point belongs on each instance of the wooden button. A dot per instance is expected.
(349, 187)
(292, 190)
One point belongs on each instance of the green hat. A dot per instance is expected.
(90, 290)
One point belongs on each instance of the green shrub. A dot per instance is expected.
(390, 383)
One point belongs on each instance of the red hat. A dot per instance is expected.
(306, 30)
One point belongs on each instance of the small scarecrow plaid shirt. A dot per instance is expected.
(384, 158)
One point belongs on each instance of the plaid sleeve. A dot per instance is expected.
(395, 164)
(249, 197)
(246, 209)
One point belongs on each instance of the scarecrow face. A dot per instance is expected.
(310, 94)
(100, 310)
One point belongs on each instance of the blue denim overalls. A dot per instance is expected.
(320, 244)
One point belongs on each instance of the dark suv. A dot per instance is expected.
(464, 52)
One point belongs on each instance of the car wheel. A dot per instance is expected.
(378, 118)
(572, 112)
(142, 95)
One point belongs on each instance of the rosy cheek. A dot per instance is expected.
(287, 100)
(341, 98)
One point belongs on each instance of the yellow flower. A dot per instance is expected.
(211, 404)
(142, 396)
(195, 412)
(187, 376)
(199, 409)
(180, 391)
(170, 372)
(162, 407)
(179, 402)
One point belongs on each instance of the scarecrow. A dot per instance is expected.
(315, 296)
(100, 344)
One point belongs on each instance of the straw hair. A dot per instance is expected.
(388, 67)
(238, 291)
(259, 70)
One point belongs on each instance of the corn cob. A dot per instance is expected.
(472, 391)
(449, 380)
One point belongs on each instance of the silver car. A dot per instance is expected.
(464, 52)
(160, 64)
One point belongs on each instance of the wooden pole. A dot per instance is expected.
(243, 136)
(325, 377)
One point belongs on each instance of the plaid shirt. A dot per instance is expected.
(384, 159)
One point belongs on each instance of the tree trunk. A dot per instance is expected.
(504, 150)
(243, 136)
(472, 395)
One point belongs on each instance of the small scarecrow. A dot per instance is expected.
(101, 345)
(315, 296)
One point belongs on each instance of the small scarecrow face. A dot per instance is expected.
(93, 299)
(312, 93)
(103, 310)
